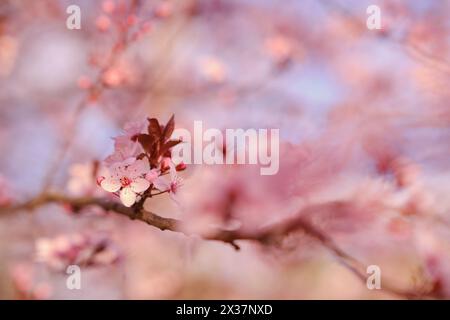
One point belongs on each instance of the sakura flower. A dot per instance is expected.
(113, 77)
(124, 149)
(128, 177)
(126, 146)
(89, 250)
(213, 70)
(59, 252)
(163, 183)
(133, 128)
(280, 48)
(82, 179)
(25, 285)
(152, 175)
(164, 10)
(103, 23)
(108, 6)
(84, 82)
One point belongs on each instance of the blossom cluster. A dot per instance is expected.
(141, 162)
(80, 249)
(83, 179)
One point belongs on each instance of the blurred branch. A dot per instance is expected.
(413, 50)
(264, 236)
(98, 86)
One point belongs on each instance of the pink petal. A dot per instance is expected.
(134, 127)
(112, 159)
(174, 198)
(138, 168)
(128, 162)
(110, 185)
(173, 172)
(140, 185)
(152, 175)
(119, 169)
(161, 184)
(127, 196)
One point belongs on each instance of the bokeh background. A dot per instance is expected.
(364, 120)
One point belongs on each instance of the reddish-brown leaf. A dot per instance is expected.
(168, 145)
(146, 141)
(154, 155)
(154, 129)
(168, 129)
(141, 156)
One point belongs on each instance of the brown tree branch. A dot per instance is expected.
(264, 236)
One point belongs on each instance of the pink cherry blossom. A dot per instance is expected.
(171, 185)
(128, 177)
(25, 284)
(126, 146)
(64, 250)
(133, 128)
(83, 179)
(152, 175)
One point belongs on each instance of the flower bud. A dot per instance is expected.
(181, 166)
(165, 164)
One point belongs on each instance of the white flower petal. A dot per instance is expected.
(140, 185)
(127, 196)
(110, 185)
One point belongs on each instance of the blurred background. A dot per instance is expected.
(364, 121)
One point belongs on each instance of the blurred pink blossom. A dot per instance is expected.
(6, 194)
(25, 285)
(80, 249)
(83, 179)
(126, 145)
(172, 184)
